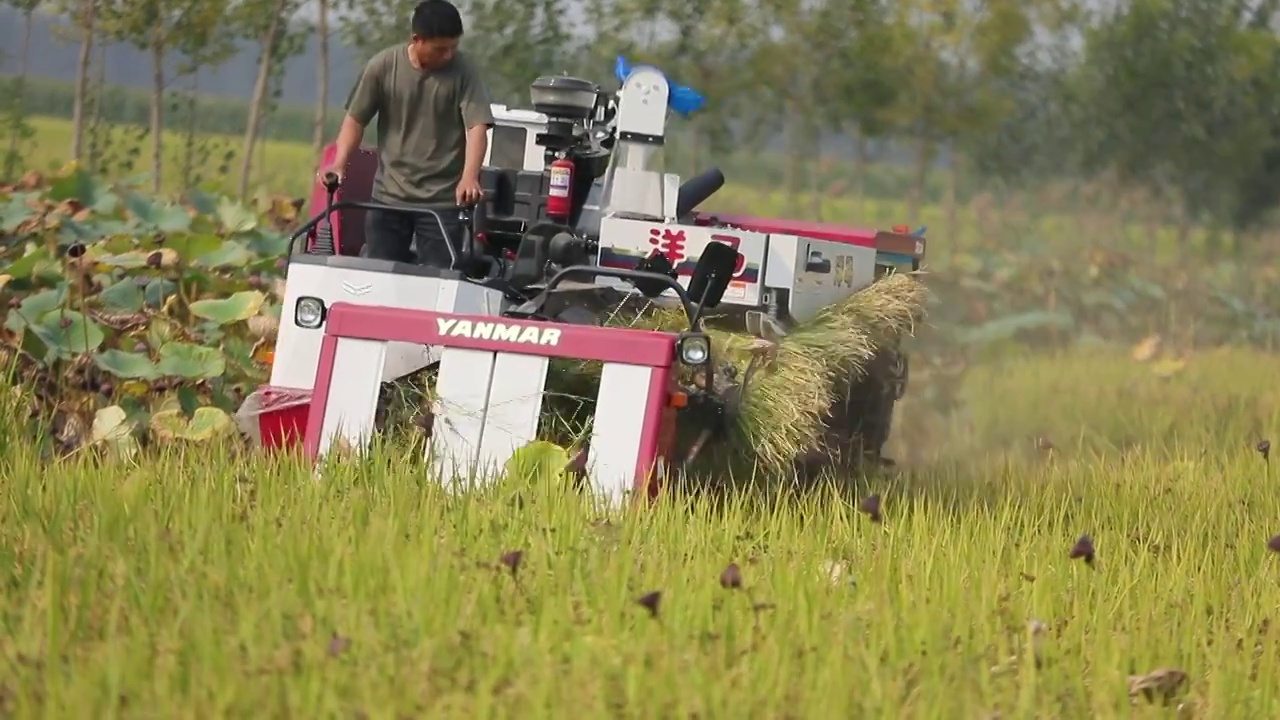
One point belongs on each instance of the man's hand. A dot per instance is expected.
(338, 169)
(468, 192)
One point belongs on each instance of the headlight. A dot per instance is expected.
(694, 349)
(309, 313)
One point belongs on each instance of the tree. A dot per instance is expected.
(860, 94)
(83, 16)
(322, 75)
(515, 42)
(268, 21)
(204, 44)
(18, 128)
(154, 26)
(371, 25)
(957, 60)
(1184, 94)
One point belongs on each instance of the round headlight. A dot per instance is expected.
(309, 312)
(695, 350)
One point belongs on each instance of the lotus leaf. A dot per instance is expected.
(269, 245)
(15, 211)
(236, 218)
(160, 331)
(68, 332)
(189, 247)
(203, 202)
(71, 231)
(26, 266)
(240, 306)
(90, 191)
(537, 459)
(123, 296)
(113, 430)
(158, 291)
(127, 365)
(192, 362)
(157, 214)
(34, 307)
(131, 260)
(207, 423)
(229, 254)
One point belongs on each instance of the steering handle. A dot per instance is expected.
(331, 181)
(463, 213)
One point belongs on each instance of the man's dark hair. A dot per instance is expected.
(437, 19)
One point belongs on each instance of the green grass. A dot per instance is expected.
(192, 586)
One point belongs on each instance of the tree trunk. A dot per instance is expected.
(860, 162)
(193, 126)
(322, 78)
(259, 99)
(83, 64)
(95, 111)
(950, 209)
(816, 189)
(791, 170)
(28, 26)
(924, 155)
(157, 106)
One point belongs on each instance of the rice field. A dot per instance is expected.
(203, 583)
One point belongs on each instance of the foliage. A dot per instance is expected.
(118, 299)
(1200, 134)
(991, 296)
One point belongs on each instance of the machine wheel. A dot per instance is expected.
(860, 420)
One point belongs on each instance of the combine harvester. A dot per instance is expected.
(577, 217)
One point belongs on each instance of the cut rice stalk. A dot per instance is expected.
(785, 408)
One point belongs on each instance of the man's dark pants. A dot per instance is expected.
(389, 235)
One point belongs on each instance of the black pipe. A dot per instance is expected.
(696, 190)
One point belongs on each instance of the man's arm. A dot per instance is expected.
(477, 117)
(477, 146)
(362, 105)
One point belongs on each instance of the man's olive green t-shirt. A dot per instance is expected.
(423, 118)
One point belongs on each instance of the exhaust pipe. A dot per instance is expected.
(696, 190)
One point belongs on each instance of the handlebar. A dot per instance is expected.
(626, 274)
(367, 205)
(332, 183)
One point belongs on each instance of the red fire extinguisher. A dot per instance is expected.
(559, 203)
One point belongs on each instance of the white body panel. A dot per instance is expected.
(623, 243)
(642, 103)
(347, 415)
(487, 406)
(635, 185)
(817, 273)
(298, 349)
(529, 121)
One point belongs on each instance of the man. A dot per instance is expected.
(433, 114)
